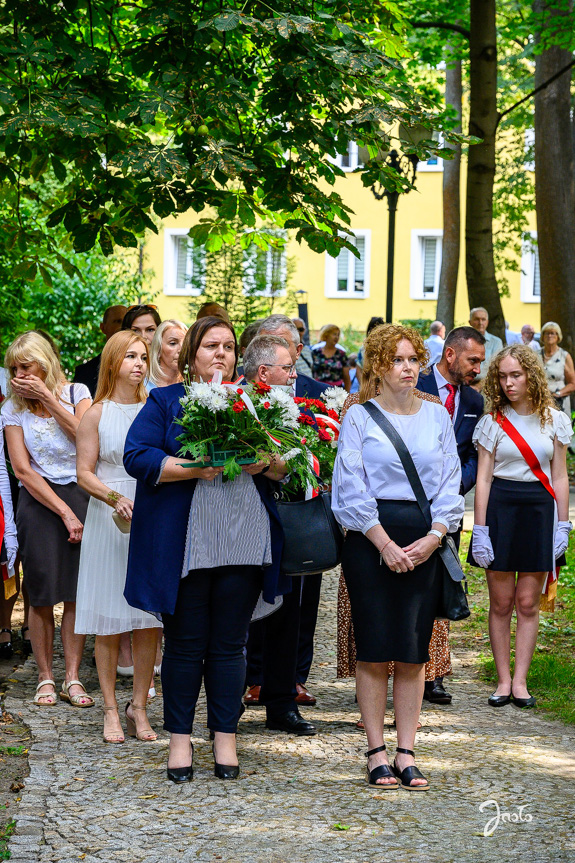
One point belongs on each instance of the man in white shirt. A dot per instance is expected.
(435, 342)
(479, 320)
(528, 337)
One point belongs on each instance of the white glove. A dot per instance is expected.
(481, 547)
(564, 528)
(11, 544)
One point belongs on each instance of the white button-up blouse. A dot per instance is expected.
(368, 469)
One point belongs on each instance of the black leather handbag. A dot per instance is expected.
(453, 603)
(312, 537)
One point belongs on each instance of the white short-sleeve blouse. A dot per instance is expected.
(52, 454)
(509, 463)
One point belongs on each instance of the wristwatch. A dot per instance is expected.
(436, 533)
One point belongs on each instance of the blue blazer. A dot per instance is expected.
(306, 387)
(161, 511)
(469, 413)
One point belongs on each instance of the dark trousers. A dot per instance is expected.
(205, 637)
(308, 620)
(272, 654)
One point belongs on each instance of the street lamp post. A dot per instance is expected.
(405, 167)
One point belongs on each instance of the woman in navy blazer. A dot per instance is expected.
(205, 610)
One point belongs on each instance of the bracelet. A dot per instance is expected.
(113, 497)
(382, 549)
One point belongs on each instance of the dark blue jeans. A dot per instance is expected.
(205, 637)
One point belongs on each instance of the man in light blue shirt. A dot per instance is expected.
(435, 342)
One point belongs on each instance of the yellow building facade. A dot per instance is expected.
(346, 291)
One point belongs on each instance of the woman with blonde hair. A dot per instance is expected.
(101, 608)
(329, 361)
(521, 525)
(390, 560)
(41, 420)
(164, 352)
(558, 366)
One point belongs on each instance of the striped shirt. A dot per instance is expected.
(228, 525)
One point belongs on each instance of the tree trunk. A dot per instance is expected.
(479, 263)
(451, 206)
(555, 187)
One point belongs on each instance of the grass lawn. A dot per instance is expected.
(552, 673)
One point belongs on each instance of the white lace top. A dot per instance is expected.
(52, 454)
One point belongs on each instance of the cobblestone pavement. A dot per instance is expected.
(298, 799)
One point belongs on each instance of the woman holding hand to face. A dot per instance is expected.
(521, 525)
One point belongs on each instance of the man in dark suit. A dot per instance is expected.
(87, 373)
(451, 379)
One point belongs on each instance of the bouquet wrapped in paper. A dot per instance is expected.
(230, 425)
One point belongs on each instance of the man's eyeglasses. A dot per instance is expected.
(289, 369)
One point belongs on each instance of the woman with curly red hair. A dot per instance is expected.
(390, 559)
(521, 508)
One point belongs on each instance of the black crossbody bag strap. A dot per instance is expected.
(405, 457)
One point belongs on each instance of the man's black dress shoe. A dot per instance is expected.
(523, 702)
(435, 693)
(180, 774)
(498, 700)
(292, 722)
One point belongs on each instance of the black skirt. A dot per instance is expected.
(392, 612)
(520, 519)
(49, 562)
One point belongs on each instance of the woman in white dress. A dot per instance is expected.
(101, 607)
(522, 522)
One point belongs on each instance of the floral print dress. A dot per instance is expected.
(329, 370)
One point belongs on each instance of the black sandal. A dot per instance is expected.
(406, 775)
(382, 771)
(6, 649)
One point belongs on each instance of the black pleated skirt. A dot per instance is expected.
(49, 562)
(392, 612)
(520, 520)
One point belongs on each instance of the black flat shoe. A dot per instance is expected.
(382, 771)
(523, 702)
(6, 649)
(292, 722)
(225, 771)
(499, 700)
(408, 774)
(182, 774)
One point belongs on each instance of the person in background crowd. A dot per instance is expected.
(511, 338)
(528, 337)
(87, 373)
(390, 560)
(212, 310)
(164, 352)
(101, 608)
(450, 379)
(479, 320)
(558, 366)
(435, 342)
(281, 325)
(329, 361)
(375, 321)
(304, 362)
(354, 373)
(9, 552)
(187, 564)
(519, 528)
(143, 320)
(248, 334)
(272, 650)
(41, 420)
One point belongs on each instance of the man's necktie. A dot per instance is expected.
(450, 401)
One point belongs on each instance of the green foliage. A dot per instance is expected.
(5, 833)
(159, 108)
(422, 325)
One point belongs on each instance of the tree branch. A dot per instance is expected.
(536, 90)
(442, 25)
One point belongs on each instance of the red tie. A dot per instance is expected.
(450, 400)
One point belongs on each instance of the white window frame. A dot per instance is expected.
(253, 249)
(416, 268)
(171, 264)
(529, 260)
(354, 163)
(330, 283)
(425, 167)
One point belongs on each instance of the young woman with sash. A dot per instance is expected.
(521, 525)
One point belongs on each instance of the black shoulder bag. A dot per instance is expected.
(312, 537)
(453, 604)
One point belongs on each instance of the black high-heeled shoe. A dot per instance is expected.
(182, 774)
(6, 649)
(224, 771)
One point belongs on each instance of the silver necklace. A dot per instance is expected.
(126, 414)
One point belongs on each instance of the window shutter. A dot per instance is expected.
(183, 263)
(359, 263)
(342, 268)
(536, 274)
(429, 260)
